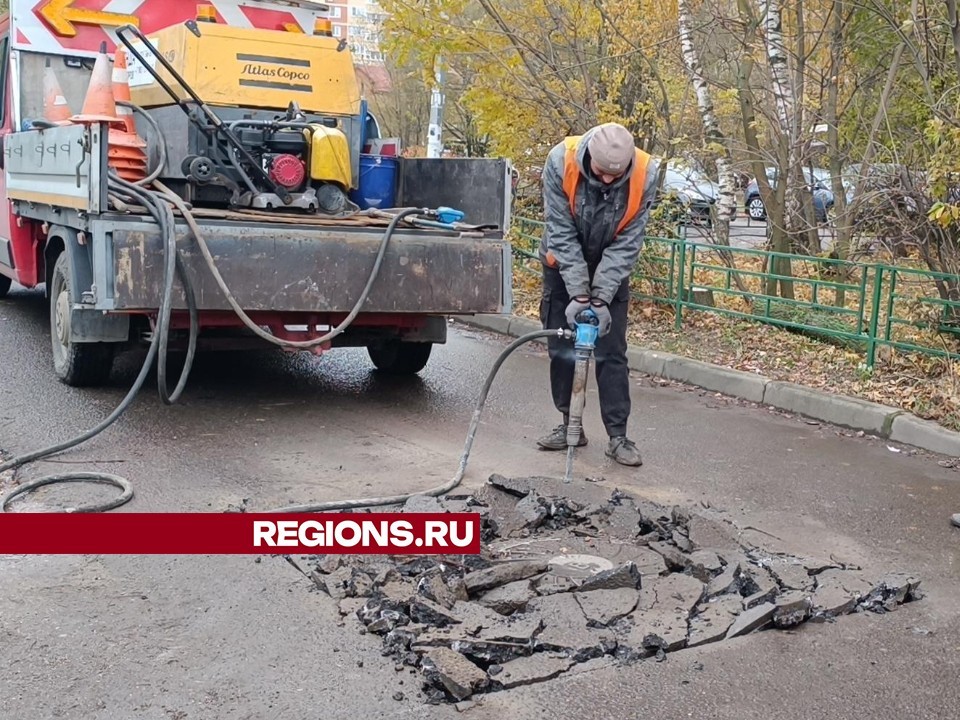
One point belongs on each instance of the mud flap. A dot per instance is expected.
(86, 324)
(91, 326)
(434, 330)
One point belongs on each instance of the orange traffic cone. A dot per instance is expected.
(125, 155)
(55, 108)
(126, 152)
(121, 90)
(98, 105)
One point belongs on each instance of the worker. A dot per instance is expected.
(597, 192)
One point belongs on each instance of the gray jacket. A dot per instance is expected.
(590, 259)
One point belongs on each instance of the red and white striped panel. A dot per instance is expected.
(32, 32)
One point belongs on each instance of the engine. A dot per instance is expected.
(251, 118)
(280, 163)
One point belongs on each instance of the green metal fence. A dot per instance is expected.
(858, 306)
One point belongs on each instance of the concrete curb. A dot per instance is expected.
(882, 421)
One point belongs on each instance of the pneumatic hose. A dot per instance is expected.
(464, 457)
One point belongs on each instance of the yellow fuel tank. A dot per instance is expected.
(251, 68)
(329, 156)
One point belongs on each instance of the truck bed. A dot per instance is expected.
(284, 262)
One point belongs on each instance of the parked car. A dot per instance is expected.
(894, 182)
(691, 191)
(818, 181)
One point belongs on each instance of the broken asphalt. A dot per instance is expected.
(230, 637)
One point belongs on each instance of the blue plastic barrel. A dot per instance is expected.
(378, 179)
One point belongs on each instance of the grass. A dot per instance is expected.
(926, 386)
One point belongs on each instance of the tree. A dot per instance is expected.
(715, 140)
(752, 85)
(404, 110)
(540, 70)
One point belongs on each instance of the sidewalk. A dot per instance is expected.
(882, 421)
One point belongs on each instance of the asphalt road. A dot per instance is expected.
(227, 637)
(747, 233)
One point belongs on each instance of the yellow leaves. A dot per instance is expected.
(938, 211)
(729, 95)
(936, 131)
(639, 23)
(427, 75)
(945, 214)
(537, 68)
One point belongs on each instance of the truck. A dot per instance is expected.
(205, 173)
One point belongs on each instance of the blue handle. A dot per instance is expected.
(449, 215)
(587, 316)
(588, 328)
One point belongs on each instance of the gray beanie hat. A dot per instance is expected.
(612, 148)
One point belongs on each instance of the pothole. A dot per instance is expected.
(571, 577)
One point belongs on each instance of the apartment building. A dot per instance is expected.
(359, 22)
(366, 21)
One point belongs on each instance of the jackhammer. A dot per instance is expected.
(585, 339)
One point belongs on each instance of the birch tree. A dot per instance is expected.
(715, 140)
(773, 197)
(789, 112)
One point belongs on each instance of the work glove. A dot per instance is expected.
(602, 311)
(576, 306)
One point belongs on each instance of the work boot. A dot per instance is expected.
(557, 440)
(624, 451)
(956, 520)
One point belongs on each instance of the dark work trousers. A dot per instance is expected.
(610, 354)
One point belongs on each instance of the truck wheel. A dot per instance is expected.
(396, 357)
(76, 364)
(4, 285)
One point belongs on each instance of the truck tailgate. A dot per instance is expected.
(294, 268)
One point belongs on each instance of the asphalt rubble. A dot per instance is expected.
(572, 577)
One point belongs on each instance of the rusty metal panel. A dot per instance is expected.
(298, 269)
(480, 187)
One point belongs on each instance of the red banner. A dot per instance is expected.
(239, 533)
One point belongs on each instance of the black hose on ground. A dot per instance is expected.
(336, 504)
(464, 457)
(157, 207)
(164, 222)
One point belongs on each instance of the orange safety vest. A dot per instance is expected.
(571, 178)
